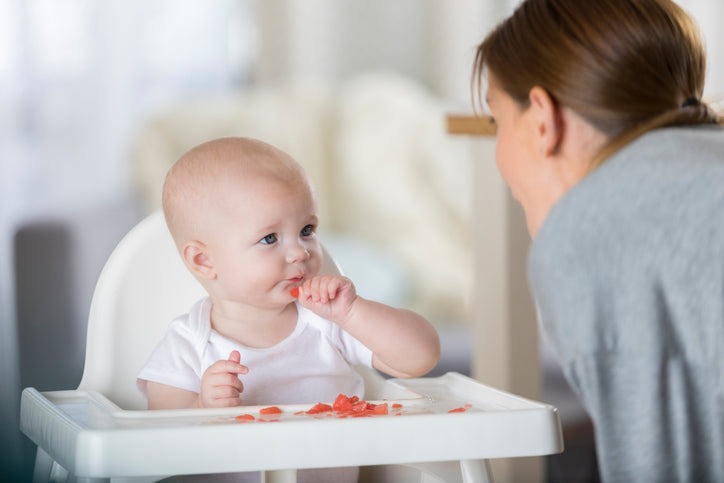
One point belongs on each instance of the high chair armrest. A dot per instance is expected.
(49, 427)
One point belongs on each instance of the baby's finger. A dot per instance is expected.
(230, 367)
(333, 287)
(303, 291)
(315, 289)
(228, 402)
(230, 380)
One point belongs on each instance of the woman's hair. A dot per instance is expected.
(626, 66)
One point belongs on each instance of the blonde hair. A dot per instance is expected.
(625, 66)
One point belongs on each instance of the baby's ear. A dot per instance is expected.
(196, 257)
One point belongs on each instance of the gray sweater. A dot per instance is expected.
(627, 273)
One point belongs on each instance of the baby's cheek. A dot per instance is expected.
(315, 265)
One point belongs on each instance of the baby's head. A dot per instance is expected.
(243, 215)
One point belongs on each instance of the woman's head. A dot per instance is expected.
(624, 66)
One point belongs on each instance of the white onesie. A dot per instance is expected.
(312, 365)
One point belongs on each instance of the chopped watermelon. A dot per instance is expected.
(342, 403)
(343, 407)
(319, 408)
(380, 409)
(270, 410)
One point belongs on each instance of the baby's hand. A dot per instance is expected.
(220, 384)
(329, 296)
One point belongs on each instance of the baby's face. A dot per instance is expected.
(265, 242)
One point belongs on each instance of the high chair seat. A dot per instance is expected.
(101, 430)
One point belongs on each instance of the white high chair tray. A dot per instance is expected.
(92, 437)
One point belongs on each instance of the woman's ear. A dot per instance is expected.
(196, 257)
(547, 119)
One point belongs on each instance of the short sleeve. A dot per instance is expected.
(354, 351)
(174, 361)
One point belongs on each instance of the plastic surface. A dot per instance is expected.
(92, 437)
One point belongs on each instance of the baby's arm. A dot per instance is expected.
(220, 387)
(404, 344)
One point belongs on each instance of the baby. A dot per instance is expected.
(272, 330)
(243, 216)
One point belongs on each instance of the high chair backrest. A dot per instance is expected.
(142, 287)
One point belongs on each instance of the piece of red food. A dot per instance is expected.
(342, 403)
(362, 406)
(380, 409)
(319, 408)
(342, 407)
(270, 410)
(457, 410)
(295, 292)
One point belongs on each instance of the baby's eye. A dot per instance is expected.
(269, 239)
(307, 230)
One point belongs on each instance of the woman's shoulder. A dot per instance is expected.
(681, 142)
(642, 179)
(661, 189)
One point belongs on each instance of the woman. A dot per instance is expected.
(619, 165)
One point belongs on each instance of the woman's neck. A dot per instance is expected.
(567, 166)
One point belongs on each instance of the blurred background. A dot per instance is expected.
(98, 99)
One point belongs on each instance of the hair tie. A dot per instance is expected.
(690, 101)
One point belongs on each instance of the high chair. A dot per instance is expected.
(102, 431)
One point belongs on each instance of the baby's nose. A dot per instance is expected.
(297, 253)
